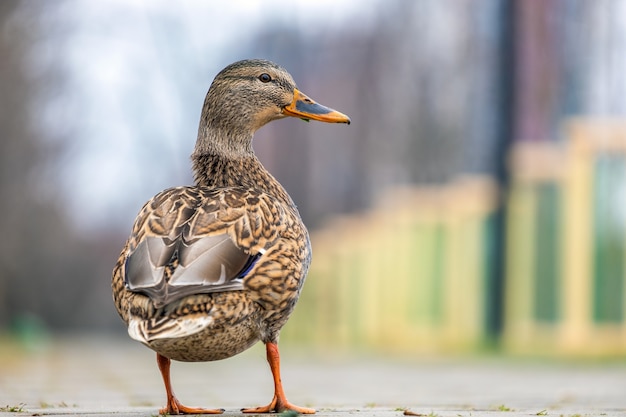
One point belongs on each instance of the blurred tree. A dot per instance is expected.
(19, 157)
(47, 272)
(419, 83)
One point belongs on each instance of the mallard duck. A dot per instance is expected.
(213, 268)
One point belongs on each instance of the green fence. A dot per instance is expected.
(413, 273)
(409, 275)
(566, 243)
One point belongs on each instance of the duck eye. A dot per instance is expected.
(265, 77)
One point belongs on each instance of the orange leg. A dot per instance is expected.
(173, 406)
(279, 402)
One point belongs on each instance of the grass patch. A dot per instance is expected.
(13, 408)
(62, 404)
(503, 407)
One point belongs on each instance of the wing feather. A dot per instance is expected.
(190, 240)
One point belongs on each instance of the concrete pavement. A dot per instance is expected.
(100, 376)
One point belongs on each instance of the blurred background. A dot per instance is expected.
(477, 201)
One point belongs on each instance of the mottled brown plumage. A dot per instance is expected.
(211, 269)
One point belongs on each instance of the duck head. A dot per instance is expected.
(245, 96)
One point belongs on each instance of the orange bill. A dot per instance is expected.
(307, 109)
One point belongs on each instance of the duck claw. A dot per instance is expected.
(278, 406)
(175, 408)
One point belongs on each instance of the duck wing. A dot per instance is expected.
(195, 240)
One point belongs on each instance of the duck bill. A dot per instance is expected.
(307, 109)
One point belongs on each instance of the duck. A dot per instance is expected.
(211, 269)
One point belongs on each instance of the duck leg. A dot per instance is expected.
(173, 406)
(279, 402)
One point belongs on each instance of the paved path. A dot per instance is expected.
(102, 377)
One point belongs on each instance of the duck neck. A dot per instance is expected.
(215, 170)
